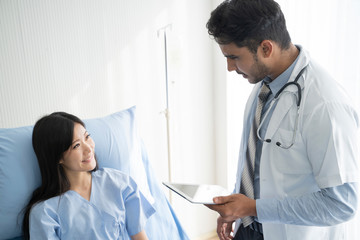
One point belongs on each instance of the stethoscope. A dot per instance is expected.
(276, 98)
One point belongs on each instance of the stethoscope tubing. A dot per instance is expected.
(276, 98)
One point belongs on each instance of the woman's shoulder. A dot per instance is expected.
(49, 205)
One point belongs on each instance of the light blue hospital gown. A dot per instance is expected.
(116, 210)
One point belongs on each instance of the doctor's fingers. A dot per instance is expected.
(225, 235)
(220, 230)
(223, 199)
(224, 229)
(228, 229)
(224, 210)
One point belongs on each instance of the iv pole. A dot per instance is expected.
(166, 111)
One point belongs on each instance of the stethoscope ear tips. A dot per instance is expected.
(278, 144)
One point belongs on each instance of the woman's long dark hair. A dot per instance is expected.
(52, 136)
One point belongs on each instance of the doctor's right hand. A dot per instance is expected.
(233, 207)
(224, 229)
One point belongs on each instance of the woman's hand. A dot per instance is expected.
(139, 236)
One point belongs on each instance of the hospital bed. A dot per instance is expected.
(117, 146)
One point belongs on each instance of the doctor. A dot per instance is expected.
(298, 168)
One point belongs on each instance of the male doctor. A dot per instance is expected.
(298, 168)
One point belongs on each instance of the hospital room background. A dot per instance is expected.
(96, 57)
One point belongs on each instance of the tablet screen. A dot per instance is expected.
(198, 193)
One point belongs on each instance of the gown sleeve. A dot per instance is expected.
(44, 223)
(138, 208)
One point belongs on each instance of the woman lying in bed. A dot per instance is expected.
(75, 200)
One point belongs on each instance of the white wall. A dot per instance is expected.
(95, 57)
(191, 109)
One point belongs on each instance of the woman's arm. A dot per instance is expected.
(139, 236)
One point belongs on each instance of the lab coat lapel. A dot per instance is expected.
(250, 101)
(282, 108)
(286, 100)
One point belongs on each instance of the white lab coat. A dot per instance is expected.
(325, 150)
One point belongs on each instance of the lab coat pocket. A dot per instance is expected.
(293, 160)
(292, 164)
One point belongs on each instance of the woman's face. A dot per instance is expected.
(80, 157)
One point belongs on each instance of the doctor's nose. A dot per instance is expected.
(231, 66)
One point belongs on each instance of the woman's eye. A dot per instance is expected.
(76, 146)
(87, 136)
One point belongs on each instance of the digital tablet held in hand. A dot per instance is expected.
(198, 193)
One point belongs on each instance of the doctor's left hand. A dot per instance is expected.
(224, 229)
(234, 206)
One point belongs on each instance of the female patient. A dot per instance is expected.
(75, 200)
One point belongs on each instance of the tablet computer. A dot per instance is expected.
(198, 193)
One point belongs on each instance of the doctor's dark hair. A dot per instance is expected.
(247, 23)
(52, 136)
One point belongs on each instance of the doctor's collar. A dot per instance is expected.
(276, 84)
(267, 80)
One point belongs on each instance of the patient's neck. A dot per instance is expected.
(80, 182)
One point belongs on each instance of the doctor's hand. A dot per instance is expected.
(233, 207)
(224, 229)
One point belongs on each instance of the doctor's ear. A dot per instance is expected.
(266, 48)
